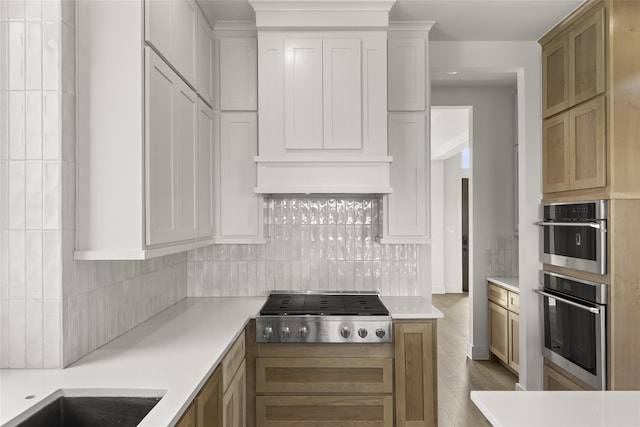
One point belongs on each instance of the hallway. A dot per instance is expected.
(457, 374)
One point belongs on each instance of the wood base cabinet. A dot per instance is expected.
(416, 373)
(556, 378)
(208, 404)
(188, 419)
(504, 325)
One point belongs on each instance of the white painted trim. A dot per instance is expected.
(395, 240)
(236, 26)
(438, 290)
(477, 352)
(323, 158)
(520, 387)
(133, 254)
(412, 26)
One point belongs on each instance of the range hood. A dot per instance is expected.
(322, 84)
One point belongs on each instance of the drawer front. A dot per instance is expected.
(514, 302)
(232, 361)
(324, 375)
(317, 411)
(498, 295)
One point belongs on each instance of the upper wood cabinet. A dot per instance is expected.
(573, 64)
(407, 72)
(574, 148)
(238, 73)
(170, 27)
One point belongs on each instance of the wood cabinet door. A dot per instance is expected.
(514, 341)
(556, 154)
(407, 74)
(342, 94)
(498, 294)
(234, 402)
(324, 411)
(555, 76)
(498, 332)
(406, 209)
(416, 374)
(209, 402)
(588, 144)
(587, 58)
(205, 170)
(188, 419)
(303, 94)
(238, 74)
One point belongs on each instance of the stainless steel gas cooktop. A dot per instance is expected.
(323, 317)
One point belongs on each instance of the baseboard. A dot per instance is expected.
(438, 290)
(477, 352)
(520, 387)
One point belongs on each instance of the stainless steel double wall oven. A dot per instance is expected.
(574, 236)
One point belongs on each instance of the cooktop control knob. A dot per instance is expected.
(345, 332)
(268, 332)
(362, 333)
(380, 333)
(285, 333)
(303, 332)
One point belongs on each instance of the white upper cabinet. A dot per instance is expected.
(205, 59)
(171, 149)
(238, 73)
(206, 134)
(170, 27)
(407, 85)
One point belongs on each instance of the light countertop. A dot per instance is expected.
(559, 408)
(512, 283)
(170, 355)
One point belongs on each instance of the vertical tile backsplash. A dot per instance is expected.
(317, 243)
(501, 255)
(54, 310)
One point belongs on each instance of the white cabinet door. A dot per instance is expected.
(342, 100)
(303, 94)
(406, 208)
(407, 62)
(170, 154)
(238, 74)
(205, 170)
(183, 31)
(205, 59)
(158, 25)
(239, 208)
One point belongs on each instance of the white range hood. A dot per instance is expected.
(322, 84)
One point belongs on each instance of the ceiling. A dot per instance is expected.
(456, 20)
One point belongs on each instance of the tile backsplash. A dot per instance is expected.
(316, 243)
(501, 255)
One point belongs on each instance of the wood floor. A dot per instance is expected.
(457, 374)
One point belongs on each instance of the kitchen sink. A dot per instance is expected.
(94, 411)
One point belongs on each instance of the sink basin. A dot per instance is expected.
(94, 411)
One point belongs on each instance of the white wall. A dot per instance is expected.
(437, 227)
(524, 59)
(452, 224)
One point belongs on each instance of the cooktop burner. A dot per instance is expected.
(286, 304)
(323, 317)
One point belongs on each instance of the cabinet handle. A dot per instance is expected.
(569, 224)
(566, 301)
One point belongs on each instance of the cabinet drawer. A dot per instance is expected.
(324, 375)
(232, 361)
(514, 302)
(313, 411)
(498, 295)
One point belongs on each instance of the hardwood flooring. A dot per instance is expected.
(457, 374)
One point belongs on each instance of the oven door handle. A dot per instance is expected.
(566, 301)
(569, 224)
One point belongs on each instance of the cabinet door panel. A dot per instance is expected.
(238, 74)
(587, 136)
(160, 167)
(342, 101)
(205, 170)
(407, 80)
(209, 402)
(555, 77)
(234, 402)
(555, 154)
(407, 205)
(374, 97)
(188, 419)
(158, 25)
(498, 333)
(586, 50)
(238, 203)
(514, 341)
(183, 30)
(303, 94)
(205, 59)
(185, 161)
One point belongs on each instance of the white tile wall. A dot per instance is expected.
(316, 243)
(54, 310)
(501, 255)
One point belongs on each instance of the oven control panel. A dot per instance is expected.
(322, 329)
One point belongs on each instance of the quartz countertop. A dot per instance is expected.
(510, 282)
(170, 355)
(559, 408)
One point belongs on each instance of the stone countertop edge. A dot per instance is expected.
(511, 283)
(173, 353)
(560, 408)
